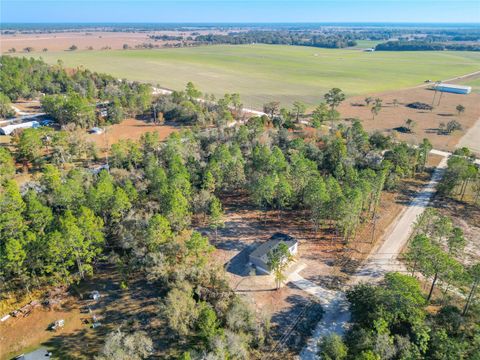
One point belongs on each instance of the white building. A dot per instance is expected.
(259, 257)
(8, 129)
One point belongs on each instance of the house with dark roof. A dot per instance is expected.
(259, 257)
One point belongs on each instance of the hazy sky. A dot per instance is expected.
(240, 11)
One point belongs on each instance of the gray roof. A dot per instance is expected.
(262, 251)
(39, 354)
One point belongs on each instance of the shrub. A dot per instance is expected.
(420, 106)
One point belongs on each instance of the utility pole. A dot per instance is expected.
(375, 218)
(440, 98)
(470, 297)
(435, 93)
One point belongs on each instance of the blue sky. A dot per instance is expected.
(241, 11)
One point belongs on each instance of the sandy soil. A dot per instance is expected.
(467, 217)
(77, 339)
(62, 41)
(28, 106)
(18, 334)
(323, 258)
(84, 39)
(427, 122)
(129, 129)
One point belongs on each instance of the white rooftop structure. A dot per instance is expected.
(8, 129)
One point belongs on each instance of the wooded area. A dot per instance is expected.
(141, 211)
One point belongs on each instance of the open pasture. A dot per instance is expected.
(262, 73)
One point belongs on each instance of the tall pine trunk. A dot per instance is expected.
(433, 285)
(470, 297)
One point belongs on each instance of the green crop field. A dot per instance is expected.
(262, 73)
(474, 83)
(363, 44)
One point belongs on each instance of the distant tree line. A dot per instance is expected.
(425, 46)
(279, 38)
(166, 37)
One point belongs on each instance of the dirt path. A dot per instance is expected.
(335, 318)
(456, 78)
(472, 138)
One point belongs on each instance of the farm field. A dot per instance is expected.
(262, 73)
(364, 44)
(474, 83)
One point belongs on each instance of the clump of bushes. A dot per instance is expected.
(420, 106)
(450, 127)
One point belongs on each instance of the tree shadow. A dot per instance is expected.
(294, 324)
(134, 308)
(403, 130)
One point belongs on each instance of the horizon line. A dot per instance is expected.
(238, 22)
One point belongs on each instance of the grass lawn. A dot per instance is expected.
(262, 73)
(364, 44)
(474, 83)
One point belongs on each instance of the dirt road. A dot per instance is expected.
(471, 138)
(384, 258)
(335, 318)
(381, 261)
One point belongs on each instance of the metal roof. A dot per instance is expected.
(454, 86)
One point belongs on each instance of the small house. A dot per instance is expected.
(259, 257)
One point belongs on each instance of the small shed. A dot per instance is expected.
(259, 257)
(452, 88)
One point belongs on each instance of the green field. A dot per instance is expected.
(474, 83)
(364, 44)
(262, 73)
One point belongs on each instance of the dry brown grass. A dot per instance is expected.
(131, 129)
(427, 122)
(84, 39)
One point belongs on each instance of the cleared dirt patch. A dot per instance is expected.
(392, 118)
(59, 41)
(131, 129)
(83, 40)
(28, 106)
(135, 307)
(467, 217)
(324, 258)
